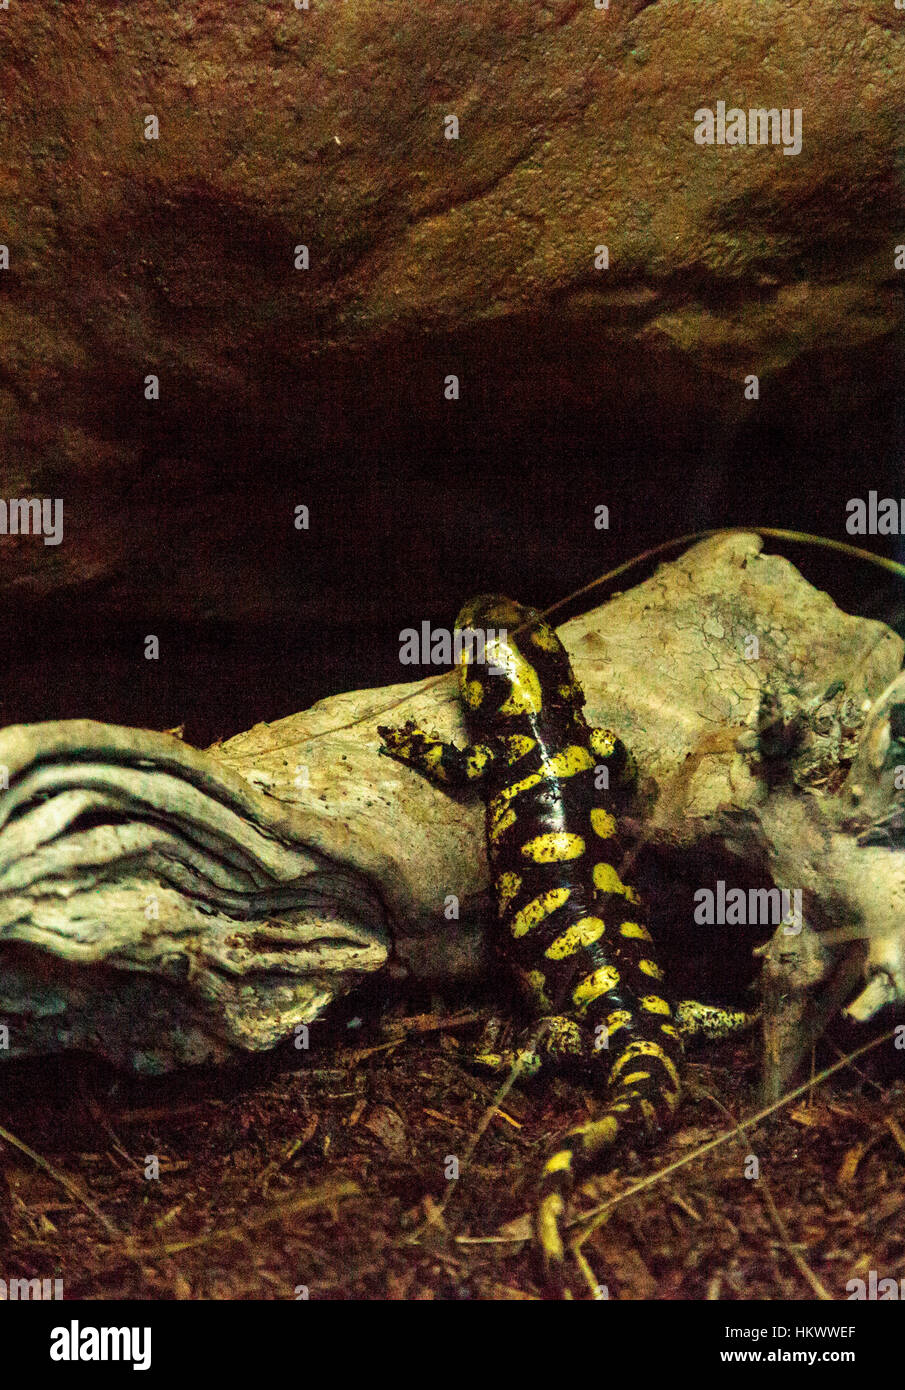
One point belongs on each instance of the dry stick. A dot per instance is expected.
(868, 1080)
(65, 1182)
(895, 1130)
(428, 1023)
(419, 1023)
(590, 1220)
(796, 1256)
(803, 537)
(590, 1277)
(322, 1196)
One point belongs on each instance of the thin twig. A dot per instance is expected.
(65, 1182)
(321, 1197)
(794, 1254)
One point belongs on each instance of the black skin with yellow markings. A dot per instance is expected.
(572, 931)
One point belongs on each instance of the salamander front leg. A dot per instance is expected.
(435, 759)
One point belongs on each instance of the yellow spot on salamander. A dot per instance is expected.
(505, 659)
(522, 700)
(603, 742)
(499, 803)
(592, 986)
(517, 745)
(635, 1076)
(648, 1111)
(670, 1030)
(651, 968)
(549, 1210)
(477, 760)
(544, 637)
(433, 762)
(635, 930)
(602, 823)
(507, 886)
(608, 881)
(653, 1004)
(551, 848)
(617, 1019)
(559, 1162)
(580, 934)
(564, 1036)
(643, 1048)
(501, 823)
(570, 760)
(599, 1133)
(536, 911)
(472, 691)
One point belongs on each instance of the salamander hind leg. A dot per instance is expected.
(713, 1022)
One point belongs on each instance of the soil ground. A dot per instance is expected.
(325, 1169)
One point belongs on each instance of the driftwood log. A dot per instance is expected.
(160, 905)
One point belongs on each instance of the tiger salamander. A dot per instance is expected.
(573, 932)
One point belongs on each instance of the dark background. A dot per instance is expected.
(417, 502)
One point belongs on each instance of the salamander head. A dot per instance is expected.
(512, 664)
(496, 611)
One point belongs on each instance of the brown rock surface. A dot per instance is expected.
(428, 255)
